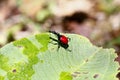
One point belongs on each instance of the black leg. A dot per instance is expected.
(69, 50)
(54, 43)
(54, 39)
(57, 34)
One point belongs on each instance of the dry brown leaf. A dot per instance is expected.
(31, 7)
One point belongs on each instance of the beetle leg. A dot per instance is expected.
(69, 38)
(54, 43)
(69, 50)
(54, 39)
(58, 47)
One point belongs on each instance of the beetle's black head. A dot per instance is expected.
(57, 34)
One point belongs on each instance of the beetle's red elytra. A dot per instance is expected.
(64, 39)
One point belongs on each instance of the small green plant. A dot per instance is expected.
(35, 58)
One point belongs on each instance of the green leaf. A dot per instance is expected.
(65, 76)
(43, 14)
(36, 58)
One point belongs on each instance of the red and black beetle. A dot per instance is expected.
(61, 40)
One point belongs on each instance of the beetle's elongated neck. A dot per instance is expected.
(57, 34)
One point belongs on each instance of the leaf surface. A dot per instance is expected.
(36, 58)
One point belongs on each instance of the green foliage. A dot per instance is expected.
(35, 58)
(113, 42)
(109, 7)
(43, 14)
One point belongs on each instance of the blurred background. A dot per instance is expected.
(98, 20)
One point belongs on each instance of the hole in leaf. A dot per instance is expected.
(95, 76)
(85, 72)
(14, 70)
(86, 60)
(75, 74)
(20, 47)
